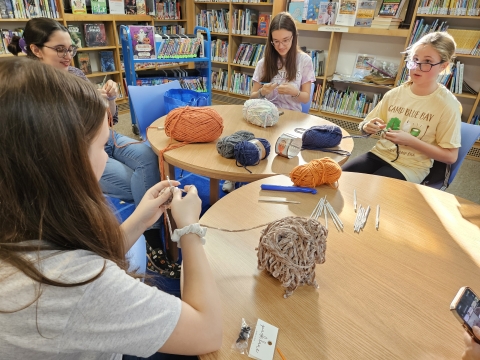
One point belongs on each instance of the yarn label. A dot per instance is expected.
(263, 342)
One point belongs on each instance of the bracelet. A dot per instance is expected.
(112, 98)
(189, 229)
(260, 94)
(296, 95)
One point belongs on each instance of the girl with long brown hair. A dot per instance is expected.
(65, 292)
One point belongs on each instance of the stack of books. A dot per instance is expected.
(380, 22)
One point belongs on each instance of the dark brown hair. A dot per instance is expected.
(285, 21)
(48, 190)
(37, 32)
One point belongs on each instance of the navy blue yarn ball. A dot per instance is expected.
(321, 137)
(247, 154)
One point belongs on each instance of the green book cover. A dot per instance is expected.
(99, 6)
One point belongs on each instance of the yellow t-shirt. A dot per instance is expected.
(434, 119)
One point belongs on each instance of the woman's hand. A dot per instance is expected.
(186, 210)
(472, 349)
(268, 88)
(111, 90)
(374, 126)
(399, 137)
(288, 89)
(150, 208)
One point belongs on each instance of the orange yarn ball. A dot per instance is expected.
(316, 172)
(194, 124)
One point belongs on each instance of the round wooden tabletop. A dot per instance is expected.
(203, 158)
(383, 294)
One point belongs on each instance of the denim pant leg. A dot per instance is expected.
(130, 170)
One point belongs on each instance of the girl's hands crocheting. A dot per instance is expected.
(268, 88)
(288, 89)
(373, 126)
(186, 210)
(111, 90)
(472, 349)
(151, 207)
(399, 137)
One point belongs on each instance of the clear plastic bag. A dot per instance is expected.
(241, 343)
(383, 72)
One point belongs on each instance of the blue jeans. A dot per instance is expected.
(130, 171)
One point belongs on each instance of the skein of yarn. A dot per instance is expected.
(226, 145)
(249, 153)
(316, 172)
(290, 248)
(321, 137)
(260, 112)
(191, 125)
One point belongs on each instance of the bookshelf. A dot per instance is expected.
(112, 23)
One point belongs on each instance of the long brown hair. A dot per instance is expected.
(48, 190)
(285, 21)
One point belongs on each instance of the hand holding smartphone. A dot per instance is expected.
(466, 308)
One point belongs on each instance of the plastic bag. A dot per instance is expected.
(383, 72)
(174, 98)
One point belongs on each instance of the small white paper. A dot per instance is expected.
(333, 28)
(263, 341)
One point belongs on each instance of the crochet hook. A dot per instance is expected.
(279, 201)
(288, 188)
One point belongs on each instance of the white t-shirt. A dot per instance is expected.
(110, 316)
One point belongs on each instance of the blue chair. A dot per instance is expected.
(306, 106)
(148, 104)
(441, 175)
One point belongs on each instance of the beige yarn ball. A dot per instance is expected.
(260, 112)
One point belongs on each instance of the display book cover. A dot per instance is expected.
(106, 60)
(143, 41)
(83, 62)
(95, 35)
(76, 36)
(99, 6)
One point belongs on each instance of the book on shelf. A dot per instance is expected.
(168, 9)
(78, 6)
(346, 13)
(295, 8)
(143, 41)
(107, 62)
(76, 36)
(95, 35)
(389, 8)
(263, 24)
(385, 23)
(449, 7)
(312, 11)
(141, 7)
(99, 6)
(116, 6)
(318, 60)
(6, 37)
(131, 7)
(362, 66)
(6, 9)
(351, 103)
(365, 13)
(467, 40)
(327, 13)
(83, 62)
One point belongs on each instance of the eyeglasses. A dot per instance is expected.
(62, 50)
(277, 43)
(425, 67)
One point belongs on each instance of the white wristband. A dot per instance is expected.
(189, 229)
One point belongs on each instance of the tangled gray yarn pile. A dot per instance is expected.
(290, 248)
(226, 145)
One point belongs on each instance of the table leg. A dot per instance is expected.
(214, 191)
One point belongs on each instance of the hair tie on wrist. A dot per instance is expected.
(23, 45)
(112, 98)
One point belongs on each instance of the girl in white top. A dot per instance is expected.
(65, 290)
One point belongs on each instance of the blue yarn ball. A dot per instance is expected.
(321, 137)
(247, 153)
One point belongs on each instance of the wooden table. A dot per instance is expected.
(383, 294)
(203, 159)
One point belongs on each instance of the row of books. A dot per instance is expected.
(220, 80)
(249, 54)
(449, 7)
(214, 20)
(5, 38)
(238, 1)
(245, 21)
(219, 50)
(318, 60)
(190, 83)
(160, 9)
(315, 104)
(421, 28)
(352, 103)
(186, 46)
(241, 83)
(467, 40)
(475, 120)
(92, 35)
(83, 61)
(170, 29)
(26, 9)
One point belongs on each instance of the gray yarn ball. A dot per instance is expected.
(226, 145)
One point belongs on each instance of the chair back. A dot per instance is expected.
(148, 104)
(441, 175)
(306, 106)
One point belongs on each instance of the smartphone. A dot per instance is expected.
(466, 308)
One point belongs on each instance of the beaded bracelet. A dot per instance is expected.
(297, 94)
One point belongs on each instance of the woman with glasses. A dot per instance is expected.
(131, 170)
(285, 74)
(419, 121)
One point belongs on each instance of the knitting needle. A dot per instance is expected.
(104, 81)
(377, 218)
(355, 200)
(326, 221)
(279, 201)
(171, 186)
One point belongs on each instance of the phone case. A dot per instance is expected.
(467, 303)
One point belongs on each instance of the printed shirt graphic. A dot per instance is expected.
(304, 74)
(434, 119)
